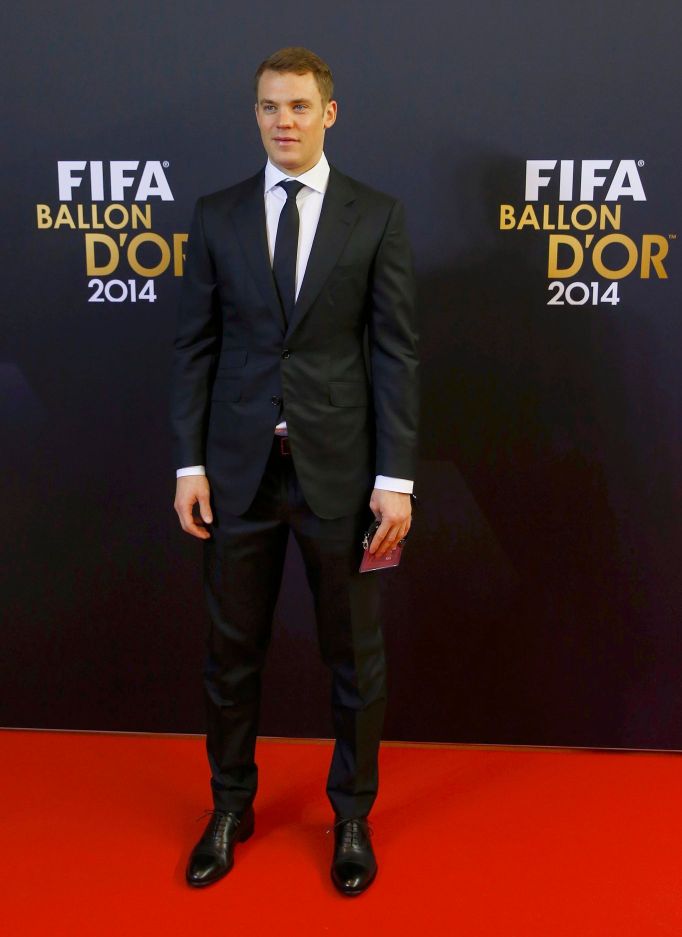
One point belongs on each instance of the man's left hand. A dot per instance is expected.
(394, 510)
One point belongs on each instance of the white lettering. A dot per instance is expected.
(67, 183)
(119, 181)
(589, 179)
(153, 182)
(533, 178)
(96, 181)
(625, 182)
(121, 177)
(566, 180)
(627, 170)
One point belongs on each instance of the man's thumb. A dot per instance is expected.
(205, 510)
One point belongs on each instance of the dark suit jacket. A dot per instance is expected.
(342, 371)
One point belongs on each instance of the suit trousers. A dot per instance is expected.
(243, 563)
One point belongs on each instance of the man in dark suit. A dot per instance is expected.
(294, 408)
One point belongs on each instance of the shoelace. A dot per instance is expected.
(220, 820)
(351, 833)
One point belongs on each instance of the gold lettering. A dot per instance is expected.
(507, 219)
(64, 217)
(613, 216)
(656, 258)
(179, 241)
(528, 217)
(619, 272)
(163, 248)
(108, 219)
(90, 262)
(575, 216)
(43, 216)
(82, 223)
(554, 271)
(143, 217)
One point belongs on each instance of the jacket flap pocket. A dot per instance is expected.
(348, 394)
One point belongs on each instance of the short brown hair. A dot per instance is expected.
(298, 60)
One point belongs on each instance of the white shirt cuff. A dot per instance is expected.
(191, 470)
(386, 483)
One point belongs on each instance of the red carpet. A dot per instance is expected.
(473, 841)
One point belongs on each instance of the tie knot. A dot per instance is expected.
(291, 186)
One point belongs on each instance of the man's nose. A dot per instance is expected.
(285, 118)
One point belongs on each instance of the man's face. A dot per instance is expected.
(292, 120)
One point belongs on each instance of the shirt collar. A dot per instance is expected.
(315, 178)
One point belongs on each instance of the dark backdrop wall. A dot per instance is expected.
(540, 597)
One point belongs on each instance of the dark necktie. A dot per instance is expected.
(286, 248)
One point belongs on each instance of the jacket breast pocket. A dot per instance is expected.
(227, 390)
(346, 283)
(347, 394)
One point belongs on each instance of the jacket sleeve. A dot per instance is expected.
(393, 337)
(196, 348)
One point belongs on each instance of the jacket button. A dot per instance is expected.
(286, 353)
(275, 401)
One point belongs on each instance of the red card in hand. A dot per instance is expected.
(371, 562)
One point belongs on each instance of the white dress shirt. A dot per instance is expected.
(309, 201)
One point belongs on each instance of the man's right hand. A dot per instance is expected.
(191, 490)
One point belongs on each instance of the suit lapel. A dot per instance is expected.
(248, 219)
(337, 218)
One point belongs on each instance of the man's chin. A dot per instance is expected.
(287, 162)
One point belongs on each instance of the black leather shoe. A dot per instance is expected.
(213, 855)
(354, 865)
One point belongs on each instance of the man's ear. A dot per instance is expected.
(330, 114)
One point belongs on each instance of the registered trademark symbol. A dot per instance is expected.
(640, 162)
(166, 164)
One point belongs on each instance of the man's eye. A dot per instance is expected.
(268, 107)
(300, 107)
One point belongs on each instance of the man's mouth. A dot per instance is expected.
(285, 140)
